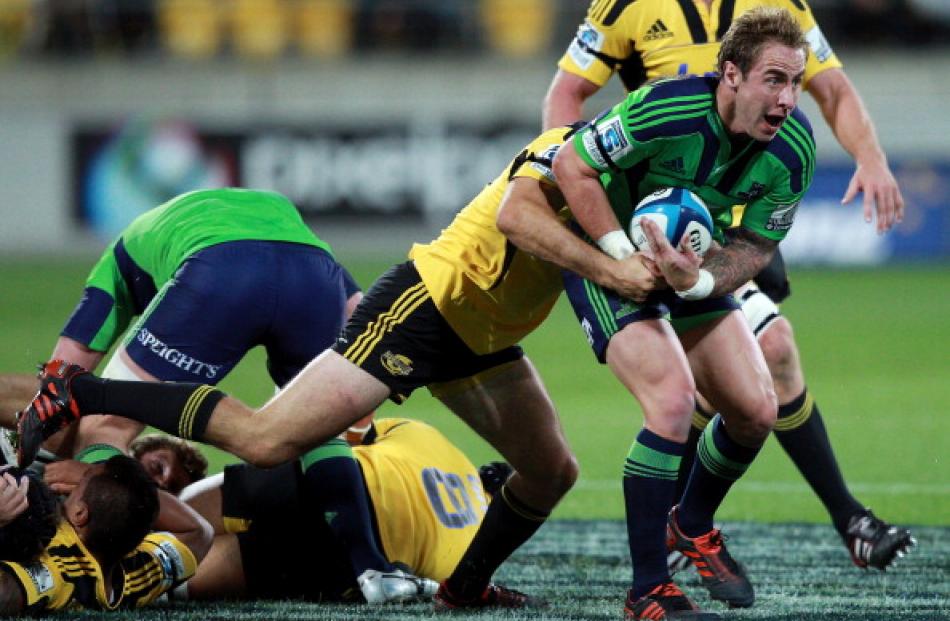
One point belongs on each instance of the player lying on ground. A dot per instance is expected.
(427, 500)
(97, 551)
(652, 39)
(210, 275)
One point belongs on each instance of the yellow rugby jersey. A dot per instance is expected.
(68, 577)
(491, 293)
(647, 39)
(427, 495)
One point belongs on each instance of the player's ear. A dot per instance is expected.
(731, 75)
(77, 512)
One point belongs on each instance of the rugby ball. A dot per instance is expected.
(678, 212)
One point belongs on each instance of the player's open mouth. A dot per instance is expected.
(775, 120)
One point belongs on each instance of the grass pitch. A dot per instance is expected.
(874, 349)
(800, 571)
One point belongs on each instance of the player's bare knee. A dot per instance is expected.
(564, 477)
(264, 452)
(778, 346)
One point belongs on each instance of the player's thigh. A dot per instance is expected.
(509, 407)
(649, 361)
(729, 368)
(329, 395)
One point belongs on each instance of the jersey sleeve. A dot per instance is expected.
(607, 144)
(106, 306)
(41, 583)
(600, 44)
(793, 162)
(537, 158)
(158, 564)
(820, 54)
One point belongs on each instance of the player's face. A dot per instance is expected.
(166, 469)
(768, 93)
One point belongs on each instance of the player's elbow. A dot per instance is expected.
(201, 538)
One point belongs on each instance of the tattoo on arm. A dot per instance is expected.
(746, 254)
(11, 595)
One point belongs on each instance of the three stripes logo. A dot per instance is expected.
(658, 31)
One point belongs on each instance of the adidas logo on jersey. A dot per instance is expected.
(658, 31)
(675, 165)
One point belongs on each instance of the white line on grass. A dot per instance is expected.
(789, 487)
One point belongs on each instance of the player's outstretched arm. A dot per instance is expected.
(564, 101)
(843, 109)
(71, 350)
(527, 218)
(185, 524)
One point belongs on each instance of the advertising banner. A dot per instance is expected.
(373, 173)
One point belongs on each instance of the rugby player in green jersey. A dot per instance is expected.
(210, 275)
(732, 138)
(651, 39)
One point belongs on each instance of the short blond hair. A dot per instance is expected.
(753, 30)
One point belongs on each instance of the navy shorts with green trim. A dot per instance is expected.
(398, 336)
(602, 312)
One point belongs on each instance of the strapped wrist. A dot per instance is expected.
(616, 244)
(701, 290)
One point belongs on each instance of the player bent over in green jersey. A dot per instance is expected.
(428, 500)
(208, 276)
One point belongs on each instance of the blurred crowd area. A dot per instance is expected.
(275, 29)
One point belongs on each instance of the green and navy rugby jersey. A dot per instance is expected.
(149, 251)
(669, 134)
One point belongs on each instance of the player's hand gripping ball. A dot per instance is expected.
(677, 212)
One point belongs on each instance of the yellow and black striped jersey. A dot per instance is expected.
(68, 577)
(647, 39)
(489, 292)
(427, 495)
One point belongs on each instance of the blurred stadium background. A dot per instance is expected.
(381, 118)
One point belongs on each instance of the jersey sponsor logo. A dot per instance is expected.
(173, 565)
(589, 139)
(674, 165)
(782, 218)
(192, 365)
(587, 41)
(657, 31)
(546, 159)
(396, 364)
(818, 44)
(612, 137)
(755, 191)
(41, 577)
